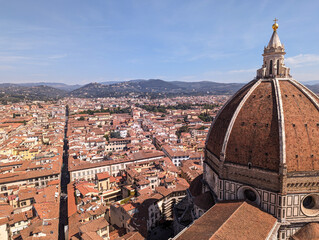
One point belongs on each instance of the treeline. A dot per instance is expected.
(184, 106)
(152, 108)
(107, 110)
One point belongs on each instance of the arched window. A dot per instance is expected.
(278, 67)
(270, 67)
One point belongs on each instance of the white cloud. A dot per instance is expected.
(303, 60)
(209, 56)
(58, 56)
(12, 58)
(6, 67)
(243, 70)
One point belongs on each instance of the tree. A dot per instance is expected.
(180, 130)
(106, 136)
(115, 135)
(81, 118)
(205, 117)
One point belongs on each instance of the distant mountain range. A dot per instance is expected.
(154, 88)
(139, 88)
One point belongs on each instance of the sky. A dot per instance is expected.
(78, 42)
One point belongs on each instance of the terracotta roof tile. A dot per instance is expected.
(230, 220)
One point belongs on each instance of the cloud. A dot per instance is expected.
(209, 56)
(303, 60)
(58, 56)
(13, 58)
(6, 67)
(243, 70)
(39, 75)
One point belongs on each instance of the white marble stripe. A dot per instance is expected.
(281, 123)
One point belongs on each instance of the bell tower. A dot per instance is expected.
(273, 62)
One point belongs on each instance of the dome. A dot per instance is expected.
(269, 124)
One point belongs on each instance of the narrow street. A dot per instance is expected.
(65, 179)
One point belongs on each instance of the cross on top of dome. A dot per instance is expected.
(275, 25)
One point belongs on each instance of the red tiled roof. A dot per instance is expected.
(102, 176)
(308, 232)
(255, 136)
(231, 220)
(71, 200)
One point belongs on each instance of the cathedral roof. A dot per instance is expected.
(230, 220)
(308, 232)
(272, 123)
(267, 124)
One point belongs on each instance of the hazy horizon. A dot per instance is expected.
(310, 82)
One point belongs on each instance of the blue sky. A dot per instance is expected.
(75, 41)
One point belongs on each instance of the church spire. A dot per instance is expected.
(273, 64)
(274, 40)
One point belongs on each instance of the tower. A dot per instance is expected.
(263, 146)
(273, 62)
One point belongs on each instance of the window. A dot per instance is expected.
(283, 235)
(270, 67)
(278, 67)
(250, 195)
(308, 202)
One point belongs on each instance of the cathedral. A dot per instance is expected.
(261, 168)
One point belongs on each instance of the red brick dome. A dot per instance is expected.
(267, 124)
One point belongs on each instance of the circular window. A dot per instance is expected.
(250, 195)
(310, 205)
(308, 202)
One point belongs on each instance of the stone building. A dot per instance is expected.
(263, 148)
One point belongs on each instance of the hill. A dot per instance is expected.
(314, 88)
(154, 88)
(16, 93)
(61, 86)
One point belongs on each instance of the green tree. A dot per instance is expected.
(115, 134)
(106, 136)
(180, 130)
(205, 117)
